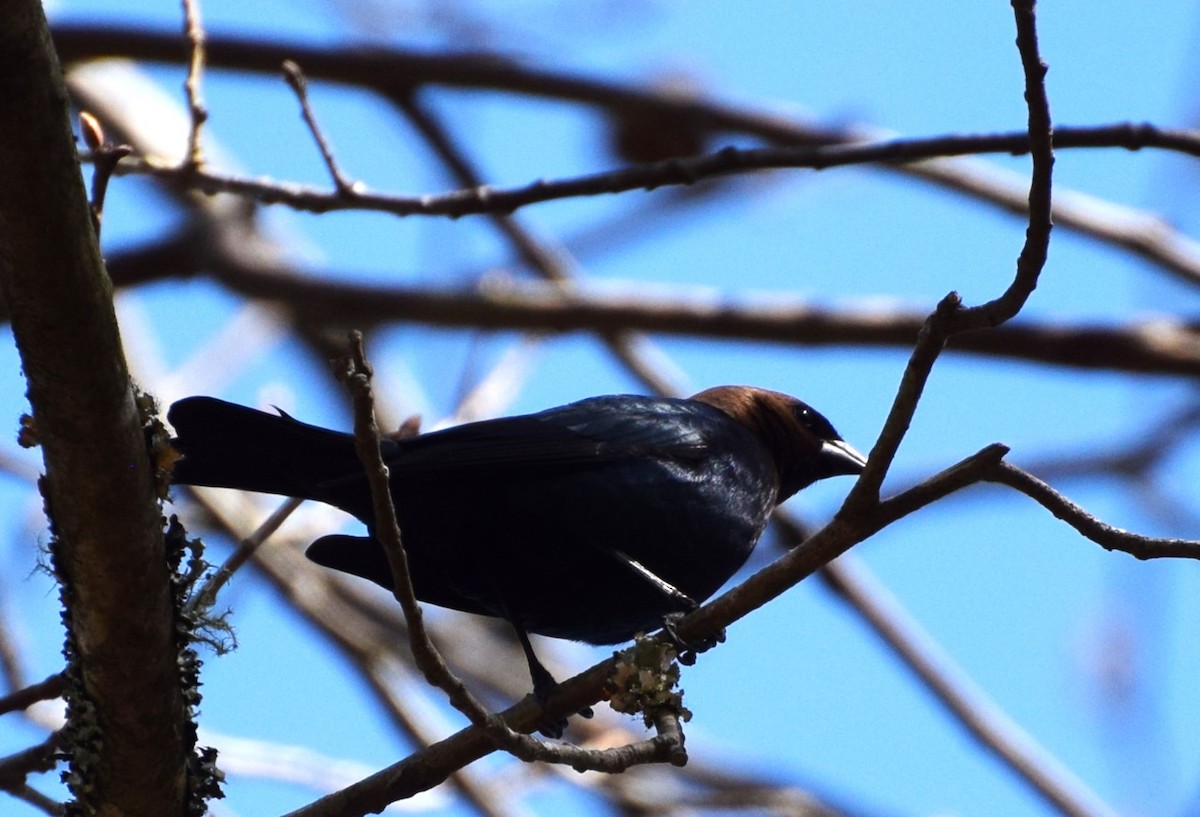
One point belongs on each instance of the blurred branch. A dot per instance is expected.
(1142, 450)
(1153, 346)
(40, 801)
(968, 704)
(551, 262)
(25, 697)
(15, 768)
(396, 72)
(193, 33)
(206, 596)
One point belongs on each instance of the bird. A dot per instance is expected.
(593, 521)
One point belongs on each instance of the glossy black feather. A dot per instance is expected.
(551, 520)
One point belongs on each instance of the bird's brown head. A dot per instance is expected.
(803, 444)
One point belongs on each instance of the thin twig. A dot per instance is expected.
(950, 317)
(931, 160)
(105, 157)
(487, 199)
(930, 342)
(299, 85)
(193, 32)
(357, 379)
(1107, 536)
(246, 548)
(1041, 150)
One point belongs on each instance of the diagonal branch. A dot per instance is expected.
(970, 706)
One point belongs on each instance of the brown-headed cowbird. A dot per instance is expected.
(592, 521)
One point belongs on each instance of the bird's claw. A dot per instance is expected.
(688, 650)
(543, 688)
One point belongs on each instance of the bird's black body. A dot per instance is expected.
(590, 521)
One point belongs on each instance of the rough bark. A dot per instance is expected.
(99, 485)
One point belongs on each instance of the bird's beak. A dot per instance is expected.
(839, 457)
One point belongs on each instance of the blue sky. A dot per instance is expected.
(801, 689)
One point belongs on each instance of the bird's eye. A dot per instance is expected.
(814, 422)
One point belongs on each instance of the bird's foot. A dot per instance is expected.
(688, 650)
(543, 687)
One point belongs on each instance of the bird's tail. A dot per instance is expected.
(225, 445)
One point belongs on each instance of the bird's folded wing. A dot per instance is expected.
(582, 434)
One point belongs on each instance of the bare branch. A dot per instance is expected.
(193, 32)
(36, 799)
(969, 705)
(44, 690)
(551, 262)
(1154, 345)
(1041, 136)
(1107, 536)
(207, 595)
(357, 378)
(1148, 236)
(295, 79)
(15, 768)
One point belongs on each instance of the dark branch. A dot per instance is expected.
(1107, 536)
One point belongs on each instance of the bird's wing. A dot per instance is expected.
(595, 431)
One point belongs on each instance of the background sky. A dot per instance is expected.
(1093, 653)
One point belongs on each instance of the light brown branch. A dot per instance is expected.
(207, 595)
(357, 378)
(193, 32)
